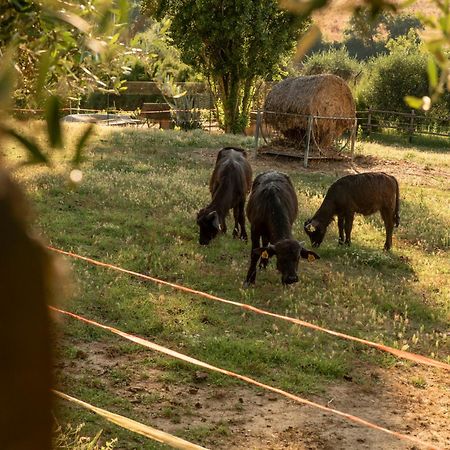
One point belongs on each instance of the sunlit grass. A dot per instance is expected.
(136, 208)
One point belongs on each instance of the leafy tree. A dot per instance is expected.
(51, 50)
(157, 57)
(233, 43)
(401, 24)
(366, 37)
(364, 27)
(56, 50)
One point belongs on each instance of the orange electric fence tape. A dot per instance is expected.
(399, 353)
(174, 354)
(134, 426)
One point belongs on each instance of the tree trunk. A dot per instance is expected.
(235, 101)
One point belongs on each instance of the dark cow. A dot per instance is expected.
(229, 185)
(271, 210)
(364, 193)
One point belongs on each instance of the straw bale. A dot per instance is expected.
(292, 100)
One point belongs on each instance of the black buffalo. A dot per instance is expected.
(229, 185)
(364, 193)
(271, 210)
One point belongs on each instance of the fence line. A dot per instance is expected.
(365, 119)
(372, 120)
(396, 352)
(156, 347)
(133, 425)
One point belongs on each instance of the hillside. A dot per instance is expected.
(333, 19)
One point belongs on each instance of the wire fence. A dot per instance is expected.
(182, 357)
(305, 136)
(396, 352)
(297, 135)
(411, 123)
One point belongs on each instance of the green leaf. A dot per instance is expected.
(413, 102)
(7, 80)
(78, 156)
(114, 39)
(43, 68)
(105, 21)
(432, 72)
(52, 111)
(36, 156)
(123, 11)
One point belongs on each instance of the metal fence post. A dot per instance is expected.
(411, 126)
(353, 140)
(308, 141)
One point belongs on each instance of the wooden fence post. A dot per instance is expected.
(210, 106)
(308, 141)
(257, 130)
(411, 126)
(369, 122)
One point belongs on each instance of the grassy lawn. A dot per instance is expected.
(136, 208)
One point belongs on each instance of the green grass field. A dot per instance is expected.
(136, 208)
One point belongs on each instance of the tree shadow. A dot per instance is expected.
(434, 144)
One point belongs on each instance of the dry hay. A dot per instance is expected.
(291, 101)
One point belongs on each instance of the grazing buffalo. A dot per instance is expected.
(364, 193)
(271, 210)
(229, 185)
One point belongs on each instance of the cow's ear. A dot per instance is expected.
(265, 252)
(311, 225)
(308, 254)
(214, 217)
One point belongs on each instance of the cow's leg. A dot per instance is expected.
(388, 218)
(251, 274)
(223, 224)
(341, 229)
(236, 221)
(241, 220)
(264, 261)
(348, 225)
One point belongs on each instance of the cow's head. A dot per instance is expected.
(288, 253)
(209, 224)
(315, 230)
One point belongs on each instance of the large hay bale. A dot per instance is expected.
(292, 100)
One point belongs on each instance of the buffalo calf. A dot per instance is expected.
(364, 193)
(271, 210)
(229, 185)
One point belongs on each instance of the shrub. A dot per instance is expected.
(335, 61)
(389, 78)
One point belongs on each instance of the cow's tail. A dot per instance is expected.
(397, 205)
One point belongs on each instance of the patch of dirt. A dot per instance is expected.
(410, 400)
(402, 170)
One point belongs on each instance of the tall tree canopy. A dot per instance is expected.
(233, 43)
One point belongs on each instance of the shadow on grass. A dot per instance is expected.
(435, 144)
